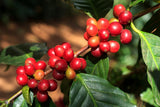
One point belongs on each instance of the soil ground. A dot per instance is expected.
(52, 32)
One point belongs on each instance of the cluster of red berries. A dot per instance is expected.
(63, 62)
(98, 32)
(32, 74)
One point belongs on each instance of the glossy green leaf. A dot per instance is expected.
(26, 95)
(101, 68)
(21, 102)
(92, 91)
(147, 96)
(16, 55)
(124, 2)
(135, 2)
(96, 8)
(150, 45)
(153, 79)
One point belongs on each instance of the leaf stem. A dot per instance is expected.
(146, 11)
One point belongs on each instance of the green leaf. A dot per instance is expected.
(16, 55)
(124, 2)
(101, 68)
(147, 96)
(96, 8)
(150, 45)
(153, 79)
(133, 3)
(26, 95)
(92, 91)
(21, 102)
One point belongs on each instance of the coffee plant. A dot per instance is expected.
(125, 32)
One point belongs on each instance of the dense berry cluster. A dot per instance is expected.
(98, 32)
(62, 63)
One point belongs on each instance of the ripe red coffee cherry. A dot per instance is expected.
(93, 41)
(32, 83)
(126, 36)
(42, 96)
(114, 46)
(118, 9)
(39, 74)
(86, 36)
(92, 30)
(76, 64)
(66, 45)
(70, 73)
(96, 52)
(52, 61)
(61, 65)
(22, 79)
(59, 50)
(115, 28)
(58, 76)
(30, 60)
(68, 55)
(40, 65)
(125, 17)
(102, 23)
(113, 20)
(84, 63)
(104, 46)
(43, 85)
(29, 69)
(51, 52)
(91, 21)
(103, 34)
(20, 70)
(52, 85)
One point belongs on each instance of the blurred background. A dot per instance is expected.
(38, 21)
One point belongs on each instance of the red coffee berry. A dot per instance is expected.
(92, 30)
(22, 79)
(59, 50)
(51, 52)
(96, 52)
(103, 34)
(32, 83)
(20, 70)
(40, 65)
(39, 74)
(66, 45)
(58, 76)
(126, 36)
(114, 46)
(43, 85)
(86, 36)
(70, 73)
(61, 65)
(52, 85)
(102, 23)
(29, 69)
(118, 9)
(68, 55)
(115, 28)
(93, 41)
(84, 63)
(52, 61)
(30, 60)
(125, 17)
(104, 46)
(42, 96)
(91, 21)
(76, 64)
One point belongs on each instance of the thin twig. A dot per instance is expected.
(81, 51)
(146, 11)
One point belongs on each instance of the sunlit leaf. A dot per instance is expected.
(26, 95)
